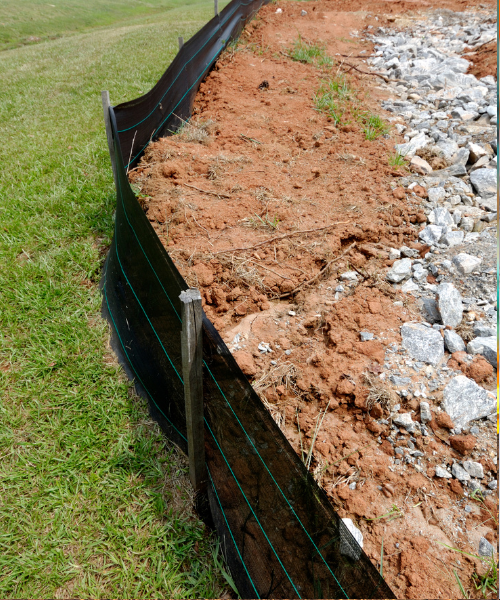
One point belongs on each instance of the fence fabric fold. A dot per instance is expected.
(280, 535)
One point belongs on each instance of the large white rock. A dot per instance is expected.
(450, 305)
(453, 342)
(401, 269)
(465, 401)
(452, 238)
(486, 346)
(474, 469)
(476, 152)
(412, 146)
(466, 263)
(441, 216)
(431, 234)
(484, 181)
(436, 194)
(423, 343)
(347, 547)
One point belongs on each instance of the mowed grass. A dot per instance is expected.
(93, 501)
(31, 21)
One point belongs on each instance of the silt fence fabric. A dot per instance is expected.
(280, 534)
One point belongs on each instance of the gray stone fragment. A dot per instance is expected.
(453, 342)
(493, 485)
(440, 472)
(481, 329)
(412, 146)
(448, 148)
(403, 420)
(409, 286)
(466, 401)
(431, 234)
(486, 346)
(485, 548)
(365, 336)
(449, 304)
(484, 182)
(430, 309)
(452, 238)
(425, 412)
(347, 547)
(490, 203)
(349, 276)
(474, 469)
(467, 223)
(453, 171)
(441, 216)
(461, 157)
(466, 263)
(436, 194)
(476, 152)
(401, 269)
(459, 473)
(422, 343)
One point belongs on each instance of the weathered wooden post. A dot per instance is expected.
(181, 41)
(109, 133)
(216, 7)
(192, 363)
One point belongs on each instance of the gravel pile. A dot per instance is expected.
(448, 119)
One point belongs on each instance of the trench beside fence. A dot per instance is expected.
(280, 535)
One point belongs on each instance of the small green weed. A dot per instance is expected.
(394, 513)
(396, 160)
(373, 126)
(333, 97)
(315, 54)
(487, 583)
(265, 222)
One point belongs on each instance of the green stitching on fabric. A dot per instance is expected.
(130, 362)
(145, 313)
(232, 537)
(276, 483)
(250, 506)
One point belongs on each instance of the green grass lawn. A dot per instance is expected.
(93, 501)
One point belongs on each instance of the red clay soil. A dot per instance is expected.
(484, 60)
(264, 216)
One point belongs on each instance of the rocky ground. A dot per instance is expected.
(347, 256)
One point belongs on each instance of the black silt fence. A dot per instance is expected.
(279, 533)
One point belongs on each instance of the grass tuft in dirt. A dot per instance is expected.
(396, 160)
(313, 54)
(373, 126)
(333, 97)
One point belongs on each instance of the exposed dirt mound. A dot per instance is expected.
(484, 60)
(280, 203)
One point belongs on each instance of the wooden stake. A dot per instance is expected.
(181, 41)
(109, 132)
(216, 7)
(192, 362)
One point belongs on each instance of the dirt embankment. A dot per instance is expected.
(280, 203)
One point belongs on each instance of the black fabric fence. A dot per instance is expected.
(280, 535)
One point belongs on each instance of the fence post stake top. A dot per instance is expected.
(216, 7)
(192, 365)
